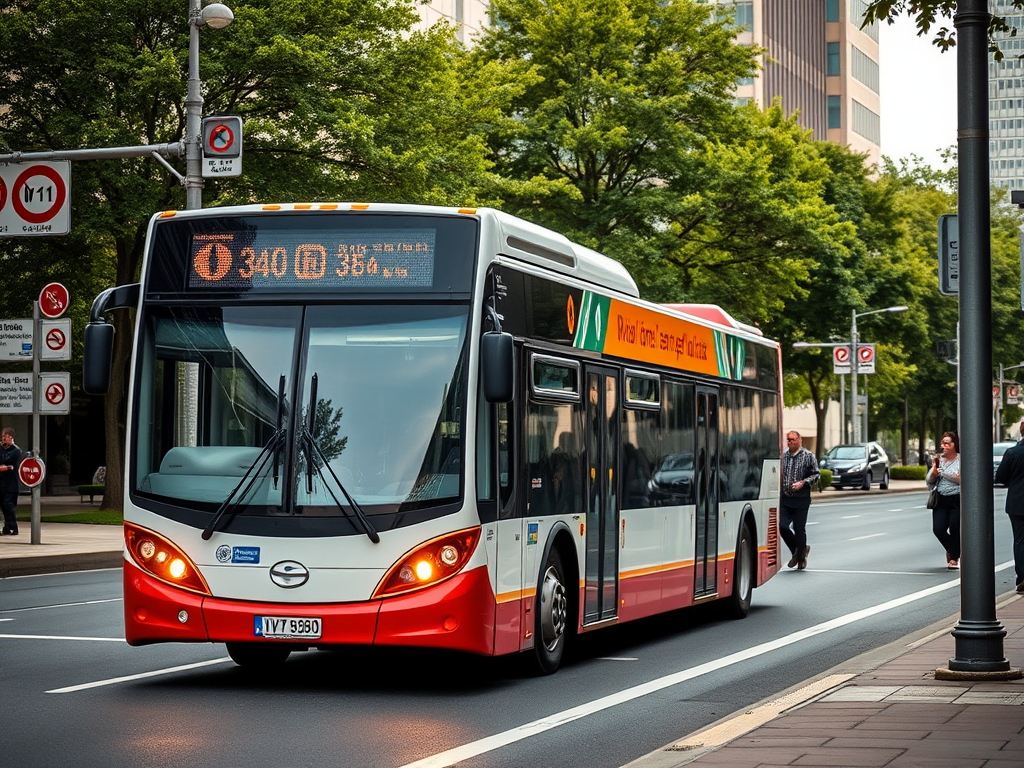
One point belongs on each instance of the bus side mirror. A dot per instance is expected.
(497, 365)
(99, 345)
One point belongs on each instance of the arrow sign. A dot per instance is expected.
(32, 471)
(53, 300)
(55, 393)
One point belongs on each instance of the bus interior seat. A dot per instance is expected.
(208, 472)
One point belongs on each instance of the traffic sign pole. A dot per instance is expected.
(36, 516)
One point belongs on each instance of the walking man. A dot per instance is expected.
(799, 473)
(10, 460)
(1011, 474)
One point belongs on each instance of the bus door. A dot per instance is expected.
(705, 559)
(601, 414)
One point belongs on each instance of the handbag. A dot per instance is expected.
(933, 498)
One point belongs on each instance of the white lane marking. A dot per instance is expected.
(849, 517)
(63, 605)
(65, 573)
(63, 637)
(869, 536)
(618, 658)
(473, 749)
(881, 573)
(898, 509)
(140, 676)
(813, 522)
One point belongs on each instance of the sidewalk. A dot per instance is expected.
(884, 708)
(64, 546)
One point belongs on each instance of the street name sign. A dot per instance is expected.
(15, 340)
(35, 199)
(949, 255)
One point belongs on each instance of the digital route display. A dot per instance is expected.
(270, 260)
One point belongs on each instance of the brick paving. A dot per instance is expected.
(895, 716)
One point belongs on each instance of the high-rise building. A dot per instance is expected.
(820, 62)
(817, 59)
(1006, 104)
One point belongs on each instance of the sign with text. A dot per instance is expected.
(1012, 393)
(35, 199)
(949, 255)
(55, 393)
(16, 393)
(841, 363)
(32, 471)
(866, 358)
(56, 339)
(15, 340)
(222, 146)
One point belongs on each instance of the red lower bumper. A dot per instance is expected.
(456, 614)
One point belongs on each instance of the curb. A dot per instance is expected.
(39, 564)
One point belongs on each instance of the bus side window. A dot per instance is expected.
(506, 465)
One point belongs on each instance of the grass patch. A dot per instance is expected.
(87, 516)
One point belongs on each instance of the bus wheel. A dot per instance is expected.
(258, 654)
(552, 610)
(738, 604)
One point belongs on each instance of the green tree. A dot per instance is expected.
(340, 100)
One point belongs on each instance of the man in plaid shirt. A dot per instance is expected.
(799, 473)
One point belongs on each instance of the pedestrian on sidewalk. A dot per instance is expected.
(799, 473)
(10, 460)
(1011, 474)
(944, 477)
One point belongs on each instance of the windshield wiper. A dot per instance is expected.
(252, 474)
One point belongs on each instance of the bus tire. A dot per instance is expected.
(255, 655)
(552, 614)
(738, 603)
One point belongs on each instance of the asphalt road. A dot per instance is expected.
(74, 693)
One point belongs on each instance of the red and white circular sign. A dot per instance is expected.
(841, 355)
(55, 339)
(44, 194)
(865, 354)
(3, 194)
(55, 393)
(221, 139)
(1013, 391)
(32, 471)
(53, 300)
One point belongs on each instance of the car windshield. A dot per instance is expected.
(847, 452)
(224, 402)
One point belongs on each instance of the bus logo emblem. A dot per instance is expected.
(289, 574)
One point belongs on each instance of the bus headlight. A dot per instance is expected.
(162, 559)
(429, 564)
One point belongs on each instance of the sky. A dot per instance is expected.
(918, 90)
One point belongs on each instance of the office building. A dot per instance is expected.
(1006, 104)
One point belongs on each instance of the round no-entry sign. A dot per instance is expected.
(53, 300)
(32, 471)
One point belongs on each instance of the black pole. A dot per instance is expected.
(979, 635)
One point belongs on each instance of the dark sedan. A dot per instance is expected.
(857, 466)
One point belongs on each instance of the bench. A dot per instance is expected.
(90, 490)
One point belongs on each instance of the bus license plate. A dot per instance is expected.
(288, 627)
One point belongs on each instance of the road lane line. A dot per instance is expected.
(879, 573)
(63, 637)
(869, 536)
(849, 517)
(140, 676)
(488, 744)
(63, 605)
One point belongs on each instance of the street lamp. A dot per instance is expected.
(855, 361)
(215, 16)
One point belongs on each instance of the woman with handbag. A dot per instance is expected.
(944, 498)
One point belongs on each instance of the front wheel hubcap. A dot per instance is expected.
(553, 609)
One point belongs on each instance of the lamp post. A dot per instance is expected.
(215, 16)
(855, 361)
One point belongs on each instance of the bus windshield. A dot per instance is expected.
(224, 400)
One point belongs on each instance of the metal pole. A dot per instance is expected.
(998, 432)
(194, 113)
(854, 369)
(842, 405)
(37, 341)
(978, 634)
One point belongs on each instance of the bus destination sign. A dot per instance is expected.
(261, 260)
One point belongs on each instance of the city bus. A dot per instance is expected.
(399, 425)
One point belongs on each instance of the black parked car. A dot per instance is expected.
(857, 466)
